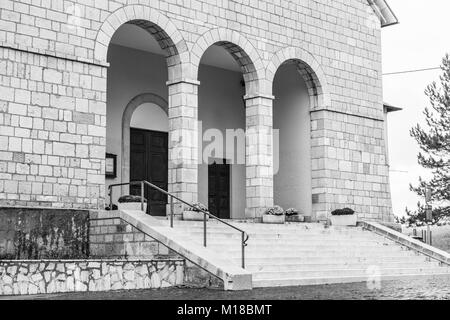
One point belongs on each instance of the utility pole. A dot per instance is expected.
(429, 214)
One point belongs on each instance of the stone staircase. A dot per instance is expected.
(310, 254)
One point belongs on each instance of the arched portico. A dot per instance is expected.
(299, 176)
(308, 68)
(154, 22)
(257, 122)
(174, 89)
(241, 49)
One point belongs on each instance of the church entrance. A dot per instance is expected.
(148, 161)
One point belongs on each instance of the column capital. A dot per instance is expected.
(258, 96)
(183, 80)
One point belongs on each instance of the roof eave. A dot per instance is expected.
(390, 108)
(384, 12)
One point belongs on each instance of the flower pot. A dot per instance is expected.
(344, 221)
(194, 216)
(272, 219)
(296, 218)
(135, 206)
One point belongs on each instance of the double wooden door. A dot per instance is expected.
(149, 161)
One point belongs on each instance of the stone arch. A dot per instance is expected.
(126, 122)
(309, 69)
(158, 25)
(240, 49)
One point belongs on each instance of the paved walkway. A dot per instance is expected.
(430, 288)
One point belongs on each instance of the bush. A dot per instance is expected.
(275, 211)
(291, 212)
(198, 207)
(343, 212)
(130, 198)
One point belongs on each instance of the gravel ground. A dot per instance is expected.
(427, 288)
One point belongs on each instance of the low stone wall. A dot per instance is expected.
(43, 233)
(404, 240)
(112, 238)
(51, 276)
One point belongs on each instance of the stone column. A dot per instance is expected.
(183, 141)
(320, 165)
(259, 154)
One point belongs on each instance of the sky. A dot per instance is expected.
(420, 41)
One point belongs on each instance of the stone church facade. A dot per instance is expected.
(56, 114)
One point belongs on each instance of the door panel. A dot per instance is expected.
(149, 154)
(138, 157)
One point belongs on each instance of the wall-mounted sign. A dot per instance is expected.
(111, 166)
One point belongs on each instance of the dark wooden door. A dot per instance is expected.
(219, 190)
(148, 161)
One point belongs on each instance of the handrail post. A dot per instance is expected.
(110, 199)
(142, 195)
(171, 212)
(243, 250)
(204, 229)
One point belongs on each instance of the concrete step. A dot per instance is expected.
(296, 267)
(338, 260)
(294, 282)
(314, 253)
(268, 229)
(298, 242)
(273, 236)
(347, 272)
(287, 248)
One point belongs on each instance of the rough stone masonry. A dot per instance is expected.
(53, 73)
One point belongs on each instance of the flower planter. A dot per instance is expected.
(135, 206)
(297, 218)
(272, 219)
(344, 221)
(194, 216)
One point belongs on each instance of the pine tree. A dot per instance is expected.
(434, 142)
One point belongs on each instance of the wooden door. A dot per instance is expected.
(219, 190)
(148, 161)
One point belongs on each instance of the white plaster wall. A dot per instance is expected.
(221, 106)
(133, 72)
(292, 183)
(149, 116)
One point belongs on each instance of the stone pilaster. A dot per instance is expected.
(183, 140)
(321, 180)
(259, 154)
(349, 166)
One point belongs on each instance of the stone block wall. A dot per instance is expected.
(52, 131)
(353, 151)
(48, 276)
(116, 239)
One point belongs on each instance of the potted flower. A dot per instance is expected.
(195, 213)
(131, 202)
(343, 217)
(274, 215)
(293, 215)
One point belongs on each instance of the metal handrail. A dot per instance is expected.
(244, 239)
